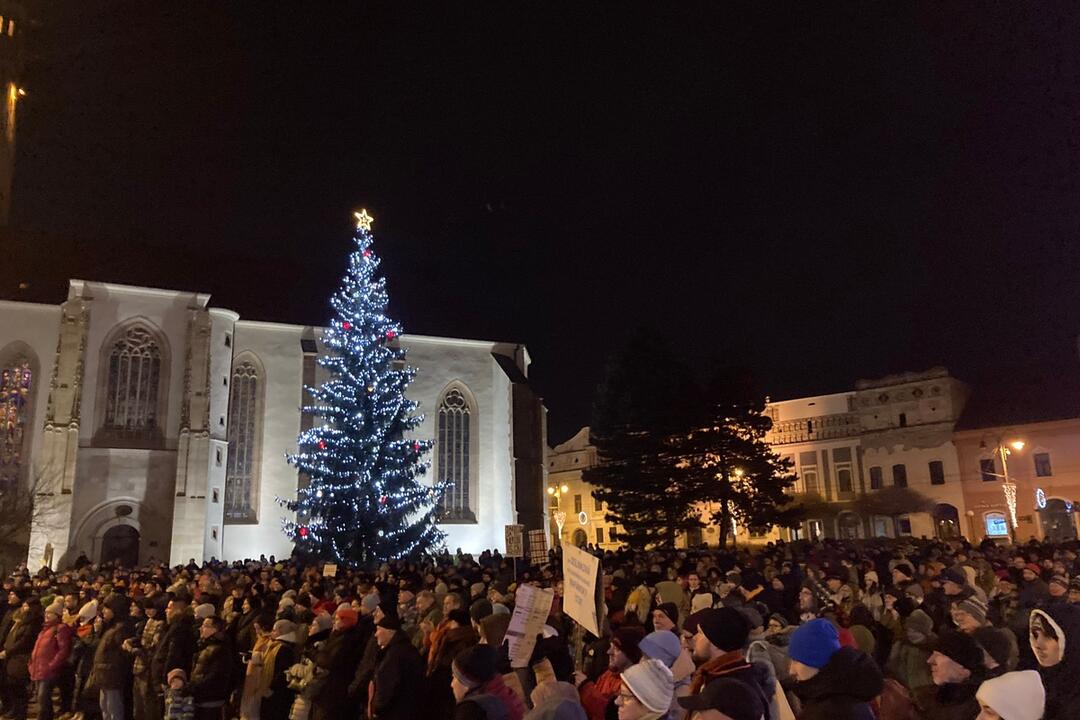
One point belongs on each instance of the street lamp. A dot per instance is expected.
(1008, 487)
(557, 491)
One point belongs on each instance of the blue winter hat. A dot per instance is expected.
(813, 643)
(661, 645)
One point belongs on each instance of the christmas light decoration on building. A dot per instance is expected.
(365, 501)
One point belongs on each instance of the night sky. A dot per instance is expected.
(816, 194)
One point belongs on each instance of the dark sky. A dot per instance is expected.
(818, 194)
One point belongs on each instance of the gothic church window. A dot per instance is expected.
(16, 379)
(245, 421)
(455, 462)
(133, 383)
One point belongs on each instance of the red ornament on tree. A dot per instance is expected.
(346, 325)
(322, 444)
(303, 531)
(383, 499)
(390, 334)
(367, 253)
(416, 446)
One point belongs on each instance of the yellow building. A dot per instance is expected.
(571, 498)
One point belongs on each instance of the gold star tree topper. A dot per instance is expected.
(363, 220)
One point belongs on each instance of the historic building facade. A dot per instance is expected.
(148, 424)
(583, 521)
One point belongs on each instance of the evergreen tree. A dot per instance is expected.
(646, 398)
(364, 501)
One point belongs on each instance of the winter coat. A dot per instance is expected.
(51, 651)
(448, 646)
(398, 677)
(211, 674)
(492, 701)
(843, 689)
(112, 664)
(276, 705)
(907, 663)
(953, 701)
(175, 650)
(18, 645)
(1062, 681)
(339, 656)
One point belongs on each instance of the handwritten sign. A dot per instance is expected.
(531, 609)
(579, 587)
(515, 541)
(329, 570)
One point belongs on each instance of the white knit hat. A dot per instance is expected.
(1015, 695)
(652, 684)
(701, 601)
(88, 612)
(204, 611)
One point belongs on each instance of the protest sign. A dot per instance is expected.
(531, 609)
(580, 570)
(329, 570)
(515, 541)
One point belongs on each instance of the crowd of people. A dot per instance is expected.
(832, 630)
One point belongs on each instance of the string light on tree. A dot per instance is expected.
(365, 501)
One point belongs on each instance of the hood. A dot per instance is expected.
(1065, 619)
(849, 672)
(557, 709)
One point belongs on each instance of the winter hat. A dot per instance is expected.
(88, 612)
(671, 610)
(864, 639)
(460, 616)
(1000, 644)
(475, 666)
(920, 622)
(1074, 584)
(779, 618)
(871, 576)
(557, 707)
(702, 601)
(753, 617)
(734, 698)
(119, 604)
(204, 611)
(1060, 580)
(813, 643)
(347, 616)
(284, 627)
(628, 639)
(953, 574)
(974, 607)
(369, 602)
(477, 589)
(725, 627)
(176, 673)
(322, 622)
(652, 684)
(499, 609)
(56, 608)
(493, 628)
(1034, 568)
(480, 609)
(389, 622)
(661, 645)
(961, 649)
(1015, 695)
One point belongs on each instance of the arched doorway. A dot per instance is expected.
(120, 544)
(946, 521)
(1057, 521)
(580, 538)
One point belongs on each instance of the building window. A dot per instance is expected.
(843, 481)
(808, 470)
(903, 419)
(876, 482)
(241, 474)
(903, 525)
(16, 380)
(995, 524)
(597, 504)
(809, 427)
(454, 455)
(132, 385)
(599, 535)
(986, 467)
(937, 472)
(899, 475)
(577, 503)
(1042, 465)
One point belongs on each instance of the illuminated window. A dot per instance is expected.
(16, 380)
(133, 384)
(577, 503)
(454, 459)
(995, 524)
(245, 421)
(11, 28)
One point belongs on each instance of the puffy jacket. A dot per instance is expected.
(112, 664)
(211, 675)
(175, 650)
(843, 689)
(51, 651)
(18, 645)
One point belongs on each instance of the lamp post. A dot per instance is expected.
(557, 491)
(1008, 487)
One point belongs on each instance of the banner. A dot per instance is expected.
(515, 541)
(531, 609)
(580, 572)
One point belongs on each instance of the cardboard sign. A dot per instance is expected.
(580, 570)
(329, 570)
(531, 609)
(515, 541)
(538, 547)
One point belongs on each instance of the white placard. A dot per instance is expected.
(329, 570)
(579, 587)
(531, 609)
(515, 541)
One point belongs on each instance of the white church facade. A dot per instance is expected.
(150, 425)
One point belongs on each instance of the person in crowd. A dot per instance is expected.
(479, 691)
(718, 650)
(647, 691)
(112, 664)
(280, 654)
(623, 651)
(969, 614)
(725, 699)
(665, 646)
(212, 670)
(957, 668)
(458, 635)
(176, 647)
(49, 657)
(399, 674)
(18, 645)
(339, 657)
(833, 682)
(1012, 696)
(1054, 638)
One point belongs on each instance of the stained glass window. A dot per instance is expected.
(16, 379)
(241, 478)
(453, 456)
(134, 376)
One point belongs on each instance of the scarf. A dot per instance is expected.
(718, 667)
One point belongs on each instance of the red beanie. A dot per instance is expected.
(347, 616)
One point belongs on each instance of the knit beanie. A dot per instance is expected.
(347, 616)
(475, 666)
(1000, 644)
(961, 649)
(322, 622)
(369, 602)
(88, 612)
(671, 610)
(661, 645)
(176, 673)
(1060, 580)
(628, 639)
(813, 643)
(920, 622)
(725, 627)
(974, 607)
(652, 684)
(56, 608)
(480, 609)
(204, 611)
(702, 601)
(780, 619)
(1015, 695)
(734, 698)
(119, 604)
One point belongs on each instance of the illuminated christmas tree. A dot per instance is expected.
(364, 502)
